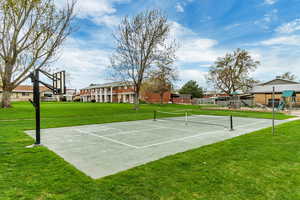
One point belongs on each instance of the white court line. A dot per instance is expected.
(179, 139)
(134, 131)
(104, 128)
(211, 116)
(254, 123)
(109, 139)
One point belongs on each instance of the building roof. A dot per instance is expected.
(279, 84)
(279, 81)
(111, 84)
(278, 88)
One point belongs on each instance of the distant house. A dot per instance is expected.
(263, 92)
(25, 92)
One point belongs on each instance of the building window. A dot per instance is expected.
(25, 94)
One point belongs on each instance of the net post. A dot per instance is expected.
(154, 115)
(186, 118)
(231, 123)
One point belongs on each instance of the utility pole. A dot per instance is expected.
(273, 111)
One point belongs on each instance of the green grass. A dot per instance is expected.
(253, 166)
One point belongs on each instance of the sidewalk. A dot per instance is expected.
(295, 113)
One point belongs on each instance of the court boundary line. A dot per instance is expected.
(109, 139)
(133, 131)
(179, 139)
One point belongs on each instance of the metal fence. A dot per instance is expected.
(238, 103)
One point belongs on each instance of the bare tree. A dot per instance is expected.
(161, 79)
(231, 73)
(31, 33)
(141, 41)
(288, 76)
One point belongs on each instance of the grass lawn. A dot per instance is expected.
(253, 166)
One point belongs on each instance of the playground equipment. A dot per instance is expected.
(288, 98)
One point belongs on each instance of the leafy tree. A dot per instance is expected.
(141, 42)
(232, 72)
(191, 87)
(288, 76)
(31, 32)
(161, 79)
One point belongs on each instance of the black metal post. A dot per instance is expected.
(273, 111)
(231, 123)
(36, 99)
(154, 115)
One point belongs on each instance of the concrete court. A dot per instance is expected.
(103, 149)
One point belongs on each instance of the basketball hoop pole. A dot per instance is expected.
(36, 104)
(36, 97)
(36, 93)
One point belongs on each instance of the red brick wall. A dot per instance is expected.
(115, 99)
(123, 90)
(155, 97)
(178, 100)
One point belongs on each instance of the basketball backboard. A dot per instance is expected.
(59, 82)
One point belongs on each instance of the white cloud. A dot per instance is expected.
(271, 15)
(270, 2)
(289, 27)
(231, 26)
(179, 7)
(108, 20)
(293, 40)
(277, 60)
(193, 74)
(197, 50)
(193, 48)
(98, 11)
(194, 51)
(85, 66)
(268, 18)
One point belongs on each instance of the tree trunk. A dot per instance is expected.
(136, 101)
(161, 97)
(5, 102)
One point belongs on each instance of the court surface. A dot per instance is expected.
(103, 149)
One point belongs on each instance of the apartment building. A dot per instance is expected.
(117, 92)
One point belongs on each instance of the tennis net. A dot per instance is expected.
(190, 117)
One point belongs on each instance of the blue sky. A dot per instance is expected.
(204, 29)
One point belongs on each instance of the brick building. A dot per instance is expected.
(118, 92)
(263, 92)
